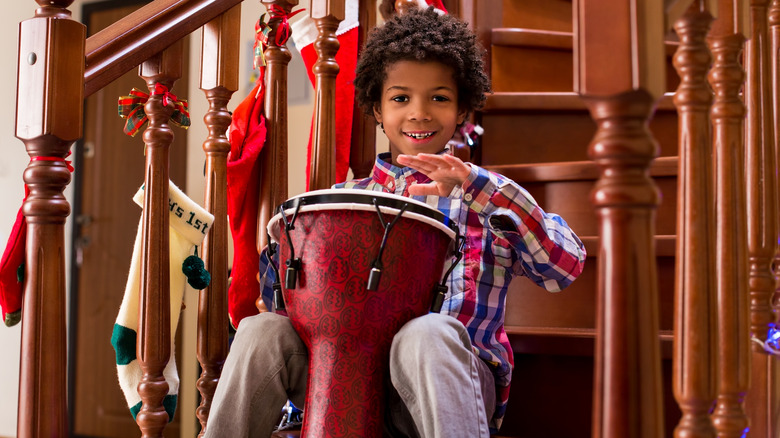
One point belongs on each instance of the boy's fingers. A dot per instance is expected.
(423, 189)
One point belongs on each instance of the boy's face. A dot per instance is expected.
(419, 107)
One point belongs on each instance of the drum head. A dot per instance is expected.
(352, 199)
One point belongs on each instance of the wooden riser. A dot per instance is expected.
(547, 127)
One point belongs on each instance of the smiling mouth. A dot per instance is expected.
(419, 135)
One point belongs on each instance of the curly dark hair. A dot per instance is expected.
(422, 35)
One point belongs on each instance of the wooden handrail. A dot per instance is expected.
(125, 44)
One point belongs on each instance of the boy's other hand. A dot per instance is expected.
(445, 171)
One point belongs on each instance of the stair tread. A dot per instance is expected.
(567, 332)
(572, 170)
(549, 39)
(531, 37)
(553, 101)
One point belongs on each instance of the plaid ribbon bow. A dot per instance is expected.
(132, 108)
(262, 29)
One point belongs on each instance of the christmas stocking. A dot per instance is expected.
(247, 137)
(12, 272)
(189, 224)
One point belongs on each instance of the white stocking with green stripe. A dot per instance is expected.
(189, 224)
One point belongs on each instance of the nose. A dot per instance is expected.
(420, 112)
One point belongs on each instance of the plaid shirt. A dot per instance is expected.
(507, 234)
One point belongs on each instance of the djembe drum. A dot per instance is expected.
(355, 266)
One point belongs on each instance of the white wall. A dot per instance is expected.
(14, 160)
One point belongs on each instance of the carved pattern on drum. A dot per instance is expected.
(347, 329)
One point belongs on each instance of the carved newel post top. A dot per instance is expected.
(403, 6)
(332, 8)
(53, 8)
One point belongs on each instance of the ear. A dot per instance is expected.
(462, 113)
(378, 113)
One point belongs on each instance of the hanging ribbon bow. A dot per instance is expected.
(283, 30)
(132, 108)
(262, 29)
(261, 41)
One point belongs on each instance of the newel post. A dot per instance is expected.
(49, 108)
(621, 100)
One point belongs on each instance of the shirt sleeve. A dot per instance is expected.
(547, 250)
(268, 277)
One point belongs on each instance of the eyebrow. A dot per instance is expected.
(402, 88)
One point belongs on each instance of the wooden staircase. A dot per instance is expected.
(537, 132)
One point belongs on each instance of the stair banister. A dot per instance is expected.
(125, 44)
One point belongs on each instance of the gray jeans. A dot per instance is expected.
(442, 389)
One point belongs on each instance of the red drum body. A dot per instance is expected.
(348, 329)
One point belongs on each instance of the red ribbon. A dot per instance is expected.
(283, 31)
(167, 96)
(62, 160)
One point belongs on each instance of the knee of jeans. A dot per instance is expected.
(418, 337)
(264, 326)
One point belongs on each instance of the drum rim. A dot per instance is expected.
(387, 201)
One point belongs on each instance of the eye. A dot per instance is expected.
(400, 98)
(440, 98)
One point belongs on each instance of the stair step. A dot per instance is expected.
(568, 332)
(538, 14)
(573, 170)
(549, 39)
(551, 101)
(566, 341)
(529, 306)
(532, 38)
(525, 59)
(534, 127)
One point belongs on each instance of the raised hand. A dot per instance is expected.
(445, 171)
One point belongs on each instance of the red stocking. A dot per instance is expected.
(247, 137)
(12, 272)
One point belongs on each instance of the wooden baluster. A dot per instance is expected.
(327, 15)
(761, 180)
(726, 40)
(621, 99)
(49, 111)
(362, 151)
(774, 40)
(694, 326)
(219, 80)
(273, 157)
(154, 327)
(762, 401)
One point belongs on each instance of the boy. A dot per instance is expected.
(420, 75)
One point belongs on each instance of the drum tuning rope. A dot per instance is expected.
(440, 290)
(293, 264)
(376, 267)
(270, 251)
